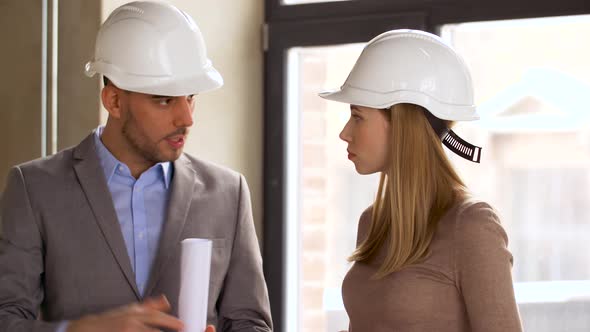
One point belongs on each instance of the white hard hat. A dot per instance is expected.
(410, 66)
(153, 48)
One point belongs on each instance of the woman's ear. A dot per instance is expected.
(111, 100)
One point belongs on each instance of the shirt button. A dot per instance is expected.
(141, 235)
(121, 168)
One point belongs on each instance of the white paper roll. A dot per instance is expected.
(194, 284)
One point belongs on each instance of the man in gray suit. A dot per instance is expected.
(91, 236)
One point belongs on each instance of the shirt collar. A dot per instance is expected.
(166, 172)
(109, 163)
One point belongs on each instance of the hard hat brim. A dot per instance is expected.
(361, 97)
(206, 80)
(203, 82)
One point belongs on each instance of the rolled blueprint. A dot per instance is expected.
(194, 284)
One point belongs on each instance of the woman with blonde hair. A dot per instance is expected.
(429, 257)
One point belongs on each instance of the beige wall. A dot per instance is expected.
(77, 94)
(228, 122)
(21, 86)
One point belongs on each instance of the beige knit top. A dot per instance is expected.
(465, 284)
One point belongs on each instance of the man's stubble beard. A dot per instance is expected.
(134, 138)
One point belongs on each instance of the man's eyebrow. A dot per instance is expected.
(160, 97)
(355, 108)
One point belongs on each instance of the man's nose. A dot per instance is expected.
(184, 113)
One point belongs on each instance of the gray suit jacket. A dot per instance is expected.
(62, 250)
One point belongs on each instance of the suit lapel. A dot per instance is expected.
(90, 175)
(184, 183)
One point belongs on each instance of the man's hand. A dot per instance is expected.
(210, 328)
(148, 316)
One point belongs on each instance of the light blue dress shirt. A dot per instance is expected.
(140, 205)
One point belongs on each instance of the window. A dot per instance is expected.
(327, 196)
(531, 80)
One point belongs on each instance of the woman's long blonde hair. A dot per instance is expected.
(416, 191)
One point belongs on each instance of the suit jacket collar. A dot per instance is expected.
(91, 177)
(185, 186)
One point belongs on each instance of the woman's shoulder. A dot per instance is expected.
(364, 223)
(469, 204)
(367, 214)
(476, 219)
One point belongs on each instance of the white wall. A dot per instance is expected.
(228, 122)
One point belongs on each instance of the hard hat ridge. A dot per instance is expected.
(153, 48)
(410, 66)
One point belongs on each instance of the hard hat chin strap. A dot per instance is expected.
(452, 141)
(439, 126)
(462, 148)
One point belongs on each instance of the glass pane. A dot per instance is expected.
(325, 194)
(532, 82)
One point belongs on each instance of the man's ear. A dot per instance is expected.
(111, 100)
